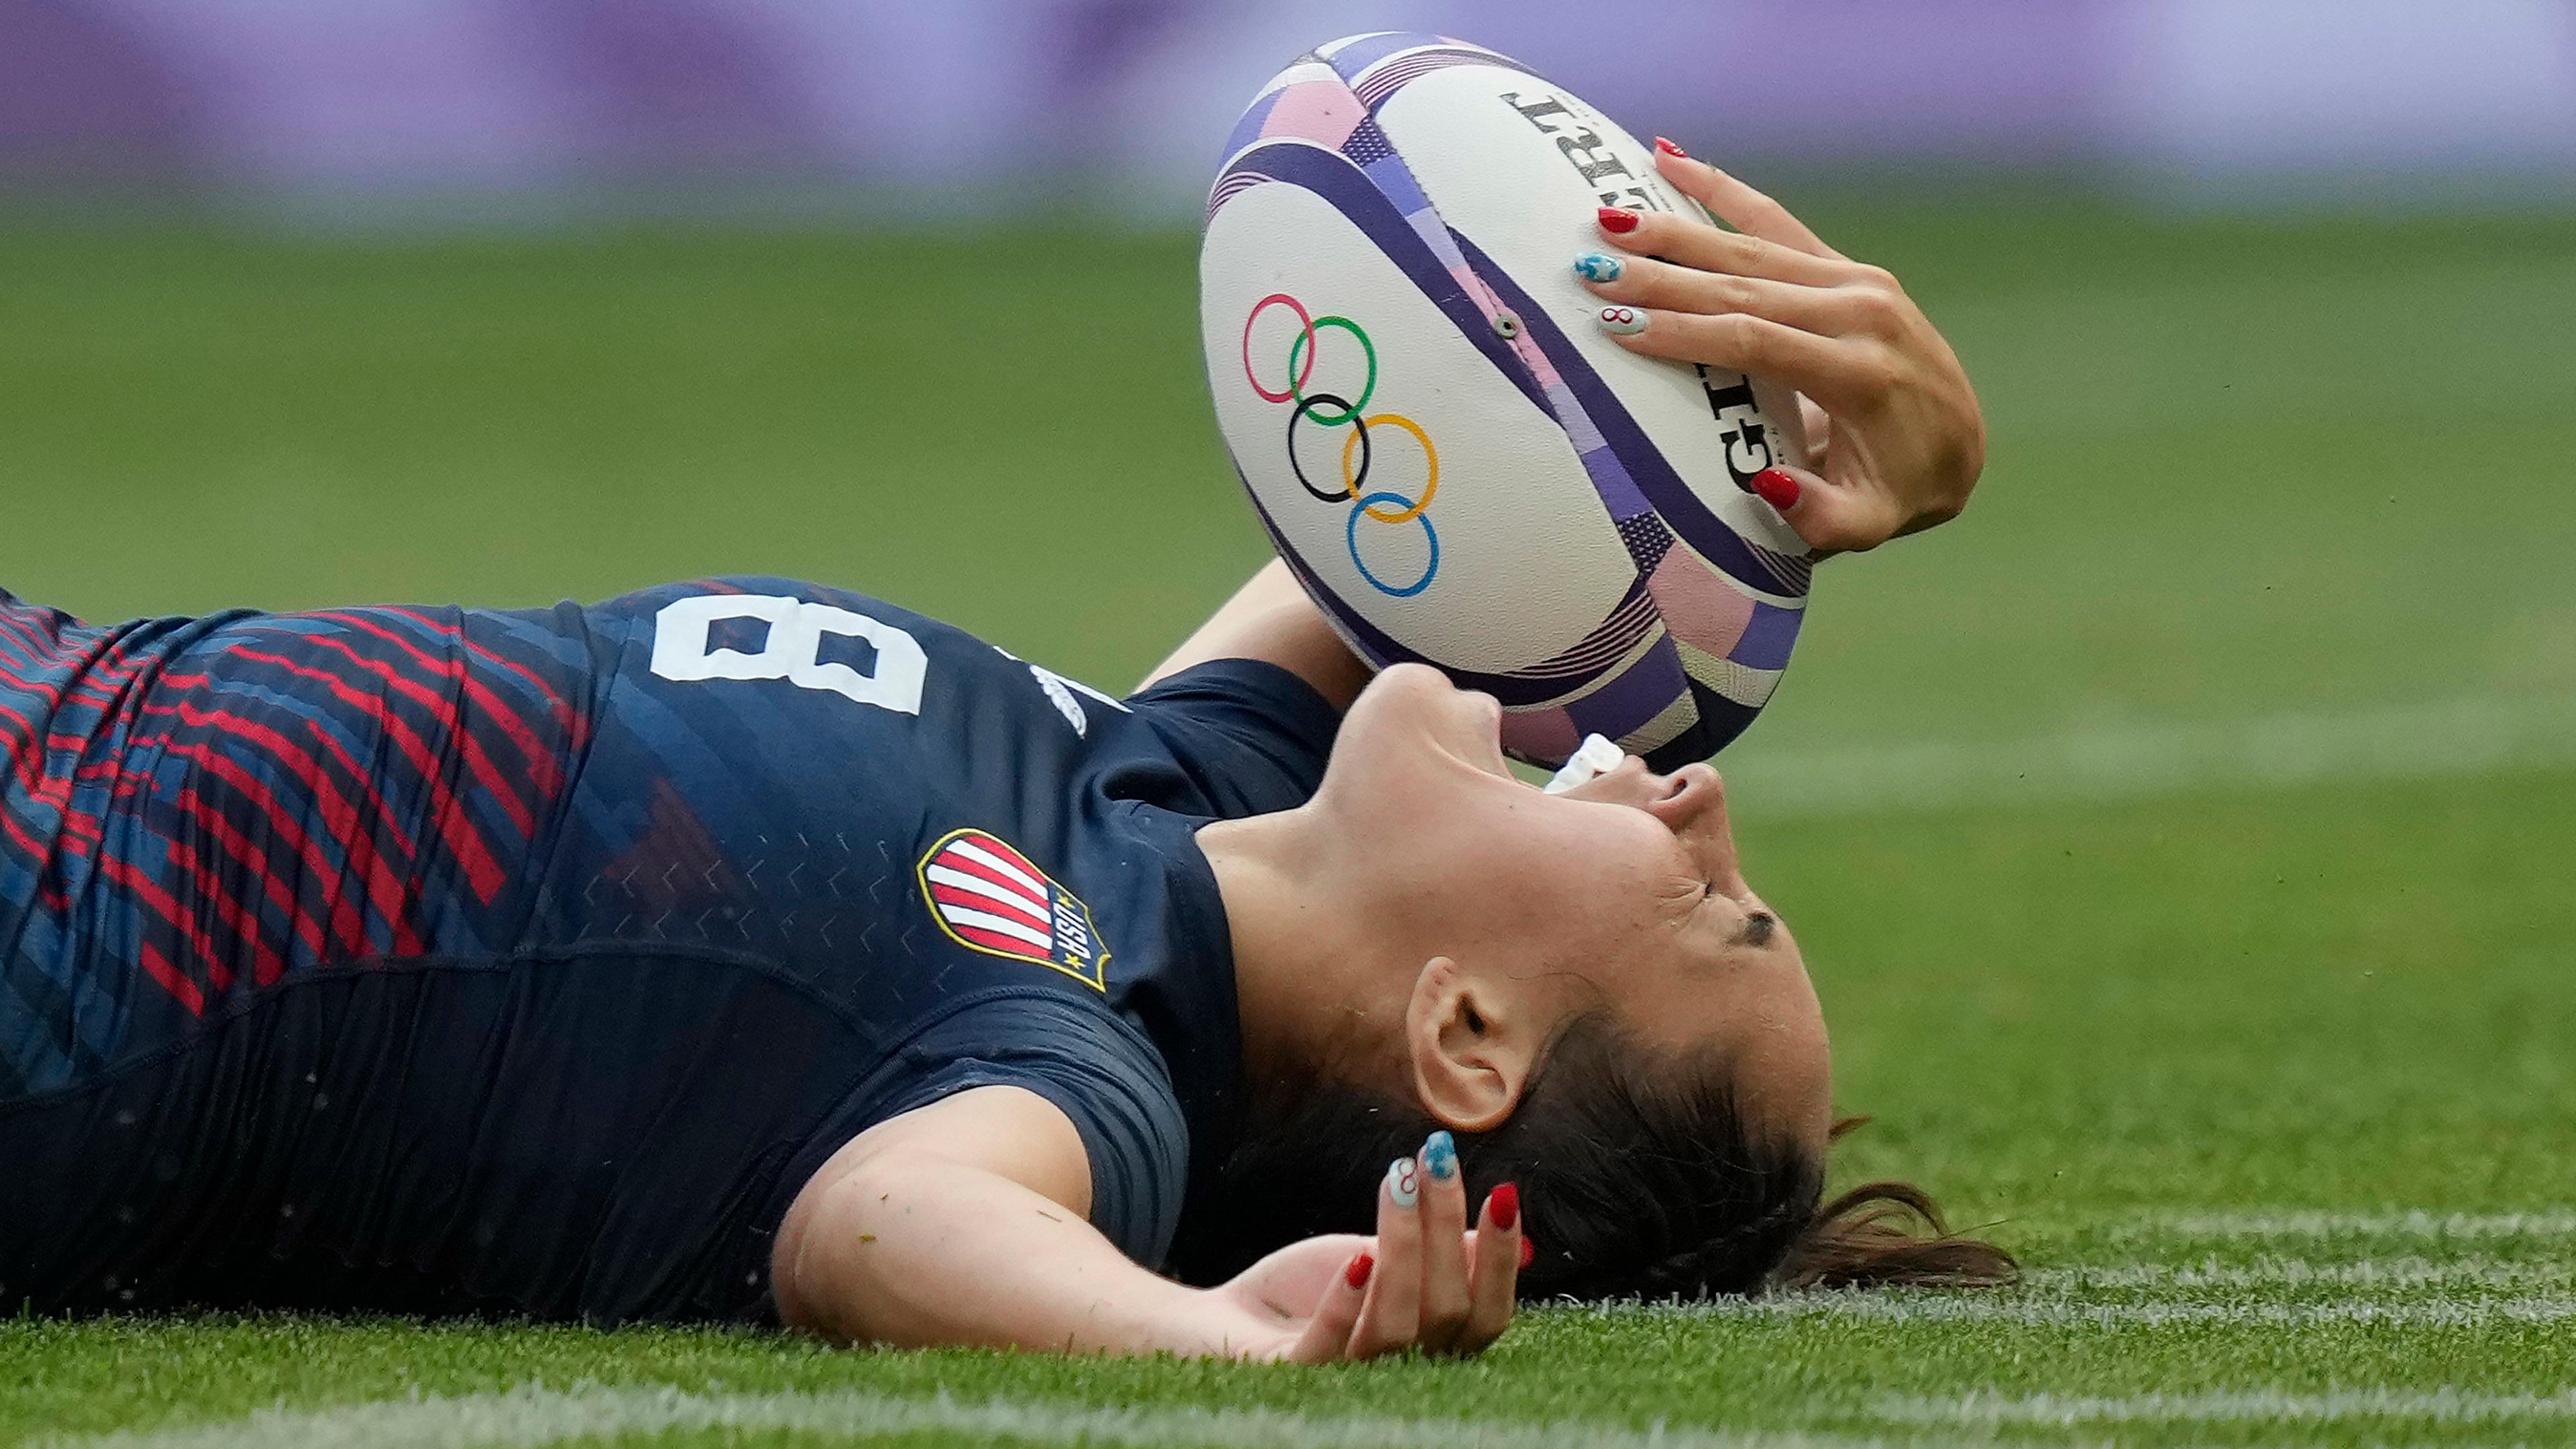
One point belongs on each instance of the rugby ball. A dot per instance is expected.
(1456, 463)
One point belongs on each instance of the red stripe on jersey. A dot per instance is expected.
(19, 738)
(392, 904)
(357, 843)
(365, 780)
(1016, 905)
(52, 690)
(56, 790)
(545, 776)
(266, 966)
(344, 916)
(254, 862)
(478, 762)
(77, 830)
(995, 845)
(996, 941)
(22, 630)
(27, 757)
(959, 860)
(571, 723)
(19, 832)
(167, 907)
(464, 838)
(401, 734)
(172, 981)
(541, 761)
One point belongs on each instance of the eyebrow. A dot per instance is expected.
(1756, 930)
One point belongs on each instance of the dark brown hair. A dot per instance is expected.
(1888, 1234)
(1639, 1177)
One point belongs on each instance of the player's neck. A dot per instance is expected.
(1306, 985)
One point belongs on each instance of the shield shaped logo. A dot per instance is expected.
(988, 897)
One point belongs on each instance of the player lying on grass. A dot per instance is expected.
(755, 950)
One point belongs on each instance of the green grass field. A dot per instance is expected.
(2182, 841)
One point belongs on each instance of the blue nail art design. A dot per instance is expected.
(1440, 1156)
(1598, 267)
(1403, 1183)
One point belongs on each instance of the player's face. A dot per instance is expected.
(1631, 881)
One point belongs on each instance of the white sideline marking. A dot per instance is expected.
(2558, 1223)
(1939, 1307)
(532, 1415)
(2299, 1272)
(2441, 1406)
(2402, 742)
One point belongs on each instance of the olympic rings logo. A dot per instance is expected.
(1330, 410)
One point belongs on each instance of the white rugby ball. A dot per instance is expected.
(1455, 462)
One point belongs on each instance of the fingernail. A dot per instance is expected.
(1618, 220)
(1357, 1274)
(1625, 321)
(1669, 149)
(1597, 267)
(1440, 1156)
(1529, 1252)
(1505, 1205)
(1401, 1183)
(1777, 488)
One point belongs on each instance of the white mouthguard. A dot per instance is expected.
(1594, 757)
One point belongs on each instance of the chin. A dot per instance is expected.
(1406, 722)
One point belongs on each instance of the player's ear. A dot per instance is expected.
(1470, 1046)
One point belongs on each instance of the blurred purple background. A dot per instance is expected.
(418, 110)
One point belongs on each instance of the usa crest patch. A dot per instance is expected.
(988, 897)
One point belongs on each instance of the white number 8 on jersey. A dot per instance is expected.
(796, 631)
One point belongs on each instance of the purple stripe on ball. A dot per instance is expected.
(1368, 50)
(1768, 637)
(1610, 479)
(1249, 129)
(1635, 695)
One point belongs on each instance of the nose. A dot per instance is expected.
(1694, 808)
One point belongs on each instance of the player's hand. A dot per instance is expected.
(1424, 1281)
(1899, 438)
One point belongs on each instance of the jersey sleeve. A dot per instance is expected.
(1253, 736)
(1100, 1072)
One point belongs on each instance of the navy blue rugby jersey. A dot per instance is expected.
(478, 961)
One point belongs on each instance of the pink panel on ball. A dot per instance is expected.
(1702, 609)
(1321, 111)
(1540, 734)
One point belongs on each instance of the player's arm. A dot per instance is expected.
(964, 1223)
(1270, 618)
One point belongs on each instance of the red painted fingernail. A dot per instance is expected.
(1357, 1273)
(1669, 149)
(1529, 1252)
(1619, 220)
(1505, 1205)
(1777, 488)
